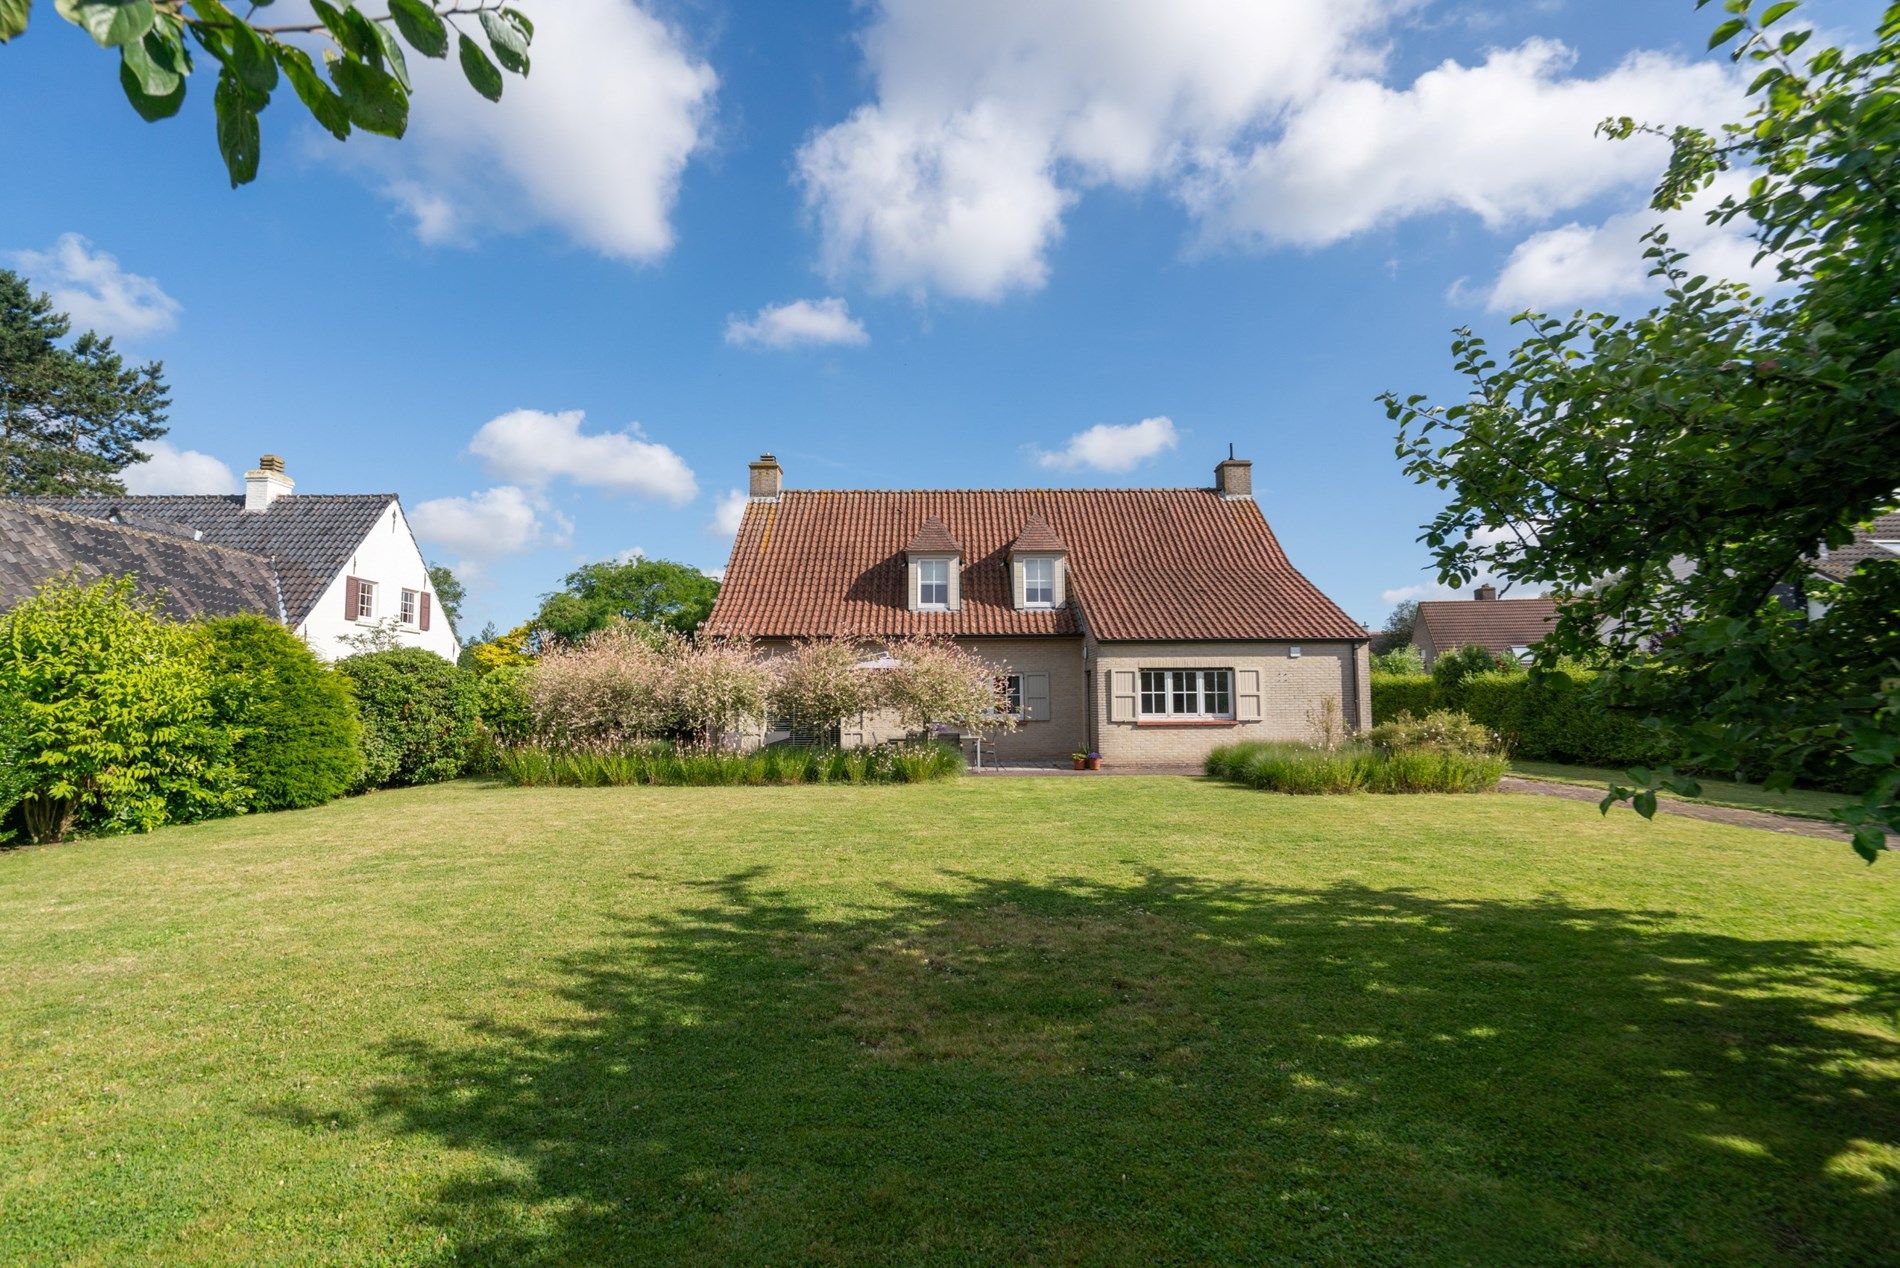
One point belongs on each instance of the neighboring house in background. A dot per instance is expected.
(1503, 627)
(1149, 625)
(1878, 540)
(331, 566)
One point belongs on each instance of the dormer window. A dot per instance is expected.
(1039, 583)
(933, 583)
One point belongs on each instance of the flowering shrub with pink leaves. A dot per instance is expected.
(820, 683)
(717, 686)
(934, 682)
(613, 689)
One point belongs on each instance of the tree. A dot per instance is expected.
(935, 682)
(494, 651)
(113, 711)
(71, 418)
(652, 591)
(298, 740)
(1666, 474)
(1399, 625)
(820, 683)
(449, 592)
(368, 85)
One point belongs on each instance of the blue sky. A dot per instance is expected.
(987, 228)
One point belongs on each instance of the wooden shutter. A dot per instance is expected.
(1247, 693)
(1121, 695)
(425, 610)
(350, 598)
(851, 732)
(1036, 697)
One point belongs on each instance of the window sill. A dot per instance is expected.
(1184, 722)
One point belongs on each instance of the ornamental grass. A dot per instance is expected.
(1305, 770)
(602, 766)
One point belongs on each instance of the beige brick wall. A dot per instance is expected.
(1289, 687)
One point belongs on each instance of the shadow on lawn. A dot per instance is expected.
(1174, 1069)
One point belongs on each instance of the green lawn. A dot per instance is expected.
(1809, 803)
(1013, 1020)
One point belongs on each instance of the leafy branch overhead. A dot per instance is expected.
(368, 84)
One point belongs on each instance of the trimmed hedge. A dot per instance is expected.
(420, 716)
(298, 741)
(1393, 694)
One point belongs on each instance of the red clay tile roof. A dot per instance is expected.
(932, 538)
(1143, 564)
(1038, 538)
(1497, 625)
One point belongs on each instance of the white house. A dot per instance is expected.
(342, 566)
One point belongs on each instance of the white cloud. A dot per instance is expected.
(717, 574)
(631, 555)
(89, 286)
(1107, 447)
(1578, 264)
(1510, 139)
(1271, 124)
(728, 511)
(592, 142)
(169, 469)
(532, 447)
(803, 323)
(505, 520)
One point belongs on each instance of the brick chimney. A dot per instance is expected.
(1233, 477)
(266, 484)
(767, 478)
(1485, 593)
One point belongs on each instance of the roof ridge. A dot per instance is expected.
(1140, 488)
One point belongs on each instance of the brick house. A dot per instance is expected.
(1148, 625)
(1503, 627)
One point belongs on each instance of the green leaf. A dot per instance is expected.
(111, 23)
(521, 20)
(238, 138)
(251, 59)
(392, 53)
(324, 105)
(420, 26)
(156, 91)
(1644, 803)
(13, 15)
(1726, 32)
(375, 101)
(349, 29)
(481, 72)
(508, 40)
(1776, 11)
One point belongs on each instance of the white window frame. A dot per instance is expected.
(1185, 694)
(1032, 584)
(411, 606)
(365, 600)
(1013, 689)
(925, 584)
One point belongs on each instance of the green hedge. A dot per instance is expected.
(298, 741)
(1551, 719)
(1393, 694)
(1303, 770)
(420, 716)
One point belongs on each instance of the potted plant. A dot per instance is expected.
(1094, 761)
(1081, 760)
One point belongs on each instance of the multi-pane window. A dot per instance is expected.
(1187, 693)
(1013, 688)
(365, 600)
(409, 607)
(933, 583)
(1039, 583)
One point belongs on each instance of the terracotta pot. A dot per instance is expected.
(1080, 763)
(1095, 763)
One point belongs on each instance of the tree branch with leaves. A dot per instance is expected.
(368, 85)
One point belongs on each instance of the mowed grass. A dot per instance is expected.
(1009, 1020)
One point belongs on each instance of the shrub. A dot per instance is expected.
(298, 740)
(1402, 693)
(532, 765)
(1302, 770)
(1444, 730)
(936, 682)
(113, 711)
(419, 713)
(612, 690)
(1450, 671)
(818, 684)
(717, 685)
(1406, 661)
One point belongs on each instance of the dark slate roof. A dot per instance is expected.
(932, 538)
(1143, 564)
(307, 537)
(1877, 540)
(193, 578)
(1038, 538)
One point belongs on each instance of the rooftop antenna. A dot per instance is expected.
(1230, 451)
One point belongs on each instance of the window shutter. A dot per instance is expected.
(349, 598)
(1121, 695)
(425, 610)
(1036, 697)
(1247, 695)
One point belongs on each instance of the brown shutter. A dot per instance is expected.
(349, 598)
(425, 610)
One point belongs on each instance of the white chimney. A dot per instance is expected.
(266, 484)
